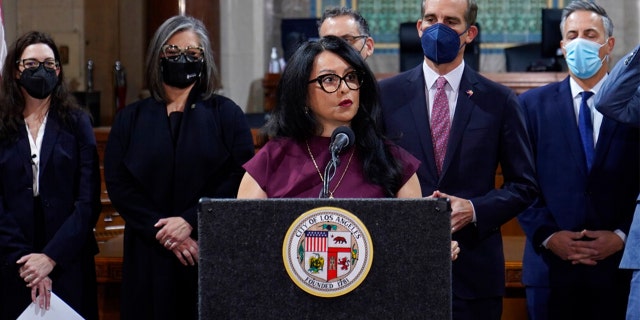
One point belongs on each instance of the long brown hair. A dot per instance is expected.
(12, 102)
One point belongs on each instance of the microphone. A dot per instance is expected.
(341, 138)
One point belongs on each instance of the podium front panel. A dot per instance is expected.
(242, 274)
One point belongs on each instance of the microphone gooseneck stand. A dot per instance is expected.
(329, 173)
(341, 138)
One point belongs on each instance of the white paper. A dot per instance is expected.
(58, 310)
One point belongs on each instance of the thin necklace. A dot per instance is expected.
(320, 174)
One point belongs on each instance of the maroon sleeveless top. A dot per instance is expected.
(284, 169)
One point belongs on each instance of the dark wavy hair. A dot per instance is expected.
(290, 120)
(12, 102)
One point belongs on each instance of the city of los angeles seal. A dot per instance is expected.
(327, 252)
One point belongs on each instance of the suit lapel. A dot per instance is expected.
(418, 105)
(150, 155)
(562, 107)
(464, 108)
(51, 132)
(190, 151)
(24, 150)
(607, 130)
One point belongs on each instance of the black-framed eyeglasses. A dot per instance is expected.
(34, 63)
(173, 52)
(353, 40)
(330, 82)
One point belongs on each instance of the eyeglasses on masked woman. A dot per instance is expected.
(34, 63)
(173, 52)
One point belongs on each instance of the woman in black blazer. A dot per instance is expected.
(163, 154)
(49, 185)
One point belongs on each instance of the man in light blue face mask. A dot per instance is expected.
(583, 57)
(587, 169)
(460, 125)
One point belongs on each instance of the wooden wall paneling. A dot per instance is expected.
(207, 11)
(113, 31)
(157, 13)
(102, 46)
(132, 49)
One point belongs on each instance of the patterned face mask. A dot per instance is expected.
(180, 73)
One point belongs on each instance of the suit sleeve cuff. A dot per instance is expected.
(621, 235)
(544, 243)
(473, 209)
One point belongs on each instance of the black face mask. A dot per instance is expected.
(39, 82)
(180, 73)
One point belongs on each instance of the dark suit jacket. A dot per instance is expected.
(487, 129)
(619, 97)
(149, 178)
(571, 197)
(70, 193)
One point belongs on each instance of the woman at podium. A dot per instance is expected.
(326, 86)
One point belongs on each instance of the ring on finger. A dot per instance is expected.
(168, 242)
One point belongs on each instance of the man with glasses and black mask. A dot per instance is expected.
(349, 25)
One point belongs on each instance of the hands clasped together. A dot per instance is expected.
(174, 235)
(584, 247)
(34, 270)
